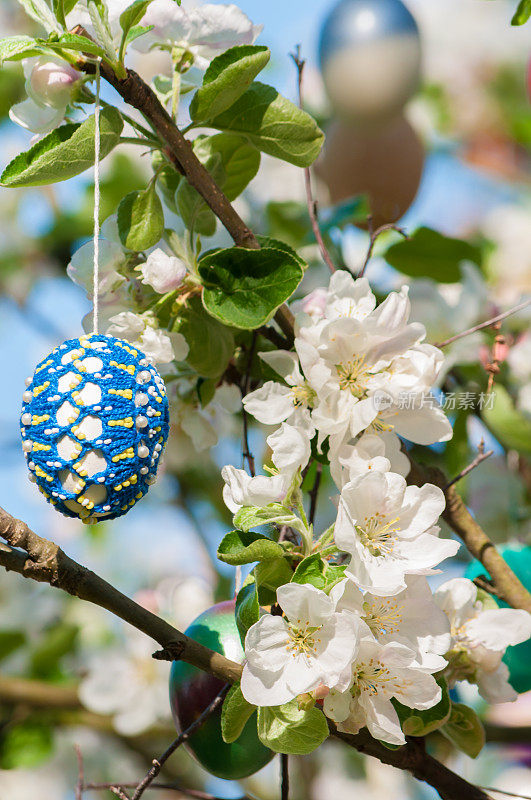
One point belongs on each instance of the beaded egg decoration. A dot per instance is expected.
(94, 424)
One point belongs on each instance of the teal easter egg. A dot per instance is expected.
(518, 657)
(191, 691)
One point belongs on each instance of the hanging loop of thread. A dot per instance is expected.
(96, 276)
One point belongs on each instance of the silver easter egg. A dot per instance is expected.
(370, 57)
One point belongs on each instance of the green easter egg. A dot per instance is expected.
(191, 690)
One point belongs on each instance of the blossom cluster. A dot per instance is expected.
(375, 634)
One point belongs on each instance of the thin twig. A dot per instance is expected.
(315, 492)
(284, 777)
(158, 763)
(518, 795)
(80, 773)
(481, 456)
(486, 324)
(373, 236)
(119, 792)
(312, 203)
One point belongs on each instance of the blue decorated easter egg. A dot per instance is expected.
(370, 56)
(94, 423)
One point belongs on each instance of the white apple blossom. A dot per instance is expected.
(311, 646)
(379, 673)
(127, 683)
(111, 259)
(162, 272)
(205, 31)
(290, 446)
(362, 363)
(389, 530)
(203, 424)
(241, 490)
(50, 85)
(480, 635)
(275, 402)
(381, 453)
(411, 618)
(156, 345)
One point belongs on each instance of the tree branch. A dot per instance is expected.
(413, 758)
(47, 563)
(158, 763)
(461, 521)
(179, 150)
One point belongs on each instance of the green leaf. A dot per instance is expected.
(464, 730)
(269, 575)
(211, 343)
(420, 723)
(10, 641)
(128, 19)
(168, 179)
(226, 79)
(512, 428)
(286, 729)
(100, 20)
(316, 571)
(274, 125)
(239, 160)
(241, 547)
(428, 253)
(311, 570)
(522, 13)
(40, 11)
(232, 162)
(141, 219)
(247, 610)
(16, 47)
(274, 514)
(277, 244)
(135, 32)
(63, 153)
(133, 14)
(244, 288)
(234, 714)
(71, 41)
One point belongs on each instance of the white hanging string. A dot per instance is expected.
(96, 276)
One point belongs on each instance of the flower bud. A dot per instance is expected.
(52, 82)
(162, 272)
(305, 701)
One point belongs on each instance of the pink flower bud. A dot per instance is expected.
(321, 692)
(315, 303)
(52, 82)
